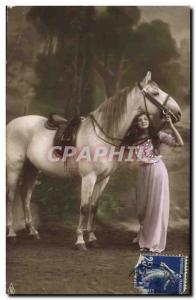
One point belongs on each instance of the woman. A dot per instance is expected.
(152, 184)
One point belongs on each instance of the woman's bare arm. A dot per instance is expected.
(178, 138)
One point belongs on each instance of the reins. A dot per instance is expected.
(162, 107)
(94, 121)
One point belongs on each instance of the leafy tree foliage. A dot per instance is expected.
(79, 42)
(155, 49)
(64, 65)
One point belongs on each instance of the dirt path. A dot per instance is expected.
(52, 266)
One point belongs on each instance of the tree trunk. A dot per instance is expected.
(80, 82)
(75, 81)
(120, 73)
(107, 75)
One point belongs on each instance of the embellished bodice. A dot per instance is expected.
(145, 152)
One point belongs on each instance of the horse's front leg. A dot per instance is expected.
(99, 187)
(88, 183)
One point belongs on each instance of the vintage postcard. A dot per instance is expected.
(98, 150)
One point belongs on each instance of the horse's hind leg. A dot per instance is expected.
(13, 174)
(28, 182)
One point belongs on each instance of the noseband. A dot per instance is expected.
(162, 107)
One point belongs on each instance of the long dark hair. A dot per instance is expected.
(134, 132)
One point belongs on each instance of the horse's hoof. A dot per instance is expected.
(93, 244)
(36, 237)
(81, 247)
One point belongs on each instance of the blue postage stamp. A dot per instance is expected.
(159, 274)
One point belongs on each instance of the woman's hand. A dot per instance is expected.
(168, 120)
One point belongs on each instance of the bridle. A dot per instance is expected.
(164, 110)
(162, 107)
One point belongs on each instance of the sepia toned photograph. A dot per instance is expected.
(98, 150)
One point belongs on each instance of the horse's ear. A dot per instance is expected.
(146, 79)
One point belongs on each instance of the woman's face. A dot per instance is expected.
(143, 122)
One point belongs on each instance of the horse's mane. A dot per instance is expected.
(112, 110)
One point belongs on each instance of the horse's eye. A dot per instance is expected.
(155, 92)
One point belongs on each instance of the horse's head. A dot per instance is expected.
(155, 102)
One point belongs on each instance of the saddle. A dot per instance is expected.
(66, 130)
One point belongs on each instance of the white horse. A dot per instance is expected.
(28, 144)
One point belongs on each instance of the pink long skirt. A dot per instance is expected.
(153, 205)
